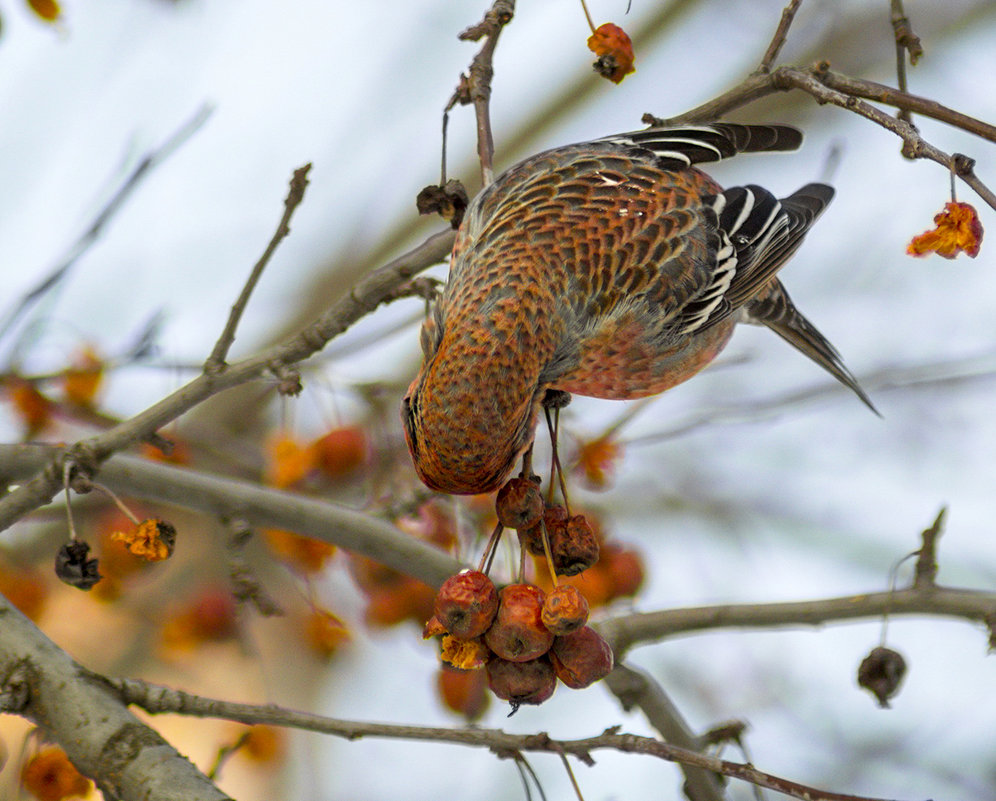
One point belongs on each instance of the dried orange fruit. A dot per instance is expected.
(614, 49)
(957, 230)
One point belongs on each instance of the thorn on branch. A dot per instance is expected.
(925, 574)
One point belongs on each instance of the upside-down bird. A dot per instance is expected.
(611, 268)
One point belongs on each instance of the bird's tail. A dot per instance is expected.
(774, 308)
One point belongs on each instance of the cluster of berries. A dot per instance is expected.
(524, 638)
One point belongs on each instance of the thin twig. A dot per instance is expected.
(159, 699)
(366, 296)
(148, 162)
(298, 183)
(778, 40)
(587, 16)
(479, 79)
(826, 86)
(907, 45)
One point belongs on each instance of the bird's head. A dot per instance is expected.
(465, 429)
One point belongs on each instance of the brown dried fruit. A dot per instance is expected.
(881, 673)
(466, 604)
(575, 549)
(73, 566)
(555, 520)
(581, 658)
(564, 609)
(519, 503)
(518, 633)
(530, 682)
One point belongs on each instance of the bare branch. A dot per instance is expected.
(479, 81)
(778, 40)
(126, 758)
(925, 575)
(630, 630)
(636, 689)
(828, 87)
(363, 299)
(112, 207)
(158, 699)
(231, 498)
(298, 183)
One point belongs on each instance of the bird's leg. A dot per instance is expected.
(556, 399)
(553, 424)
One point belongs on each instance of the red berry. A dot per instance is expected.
(529, 682)
(466, 604)
(581, 658)
(518, 633)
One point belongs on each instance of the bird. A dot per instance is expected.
(612, 268)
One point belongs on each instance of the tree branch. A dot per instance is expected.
(157, 699)
(102, 738)
(636, 689)
(479, 80)
(628, 631)
(298, 183)
(829, 87)
(231, 498)
(88, 454)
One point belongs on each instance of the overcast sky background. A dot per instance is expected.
(817, 500)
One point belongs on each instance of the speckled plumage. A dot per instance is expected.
(611, 268)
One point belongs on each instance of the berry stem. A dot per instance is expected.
(587, 16)
(66, 470)
(548, 553)
(489, 550)
(556, 469)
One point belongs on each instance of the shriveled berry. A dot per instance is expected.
(518, 633)
(574, 547)
(881, 673)
(73, 566)
(530, 682)
(564, 609)
(555, 520)
(519, 503)
(581, 658)
(466, 604)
